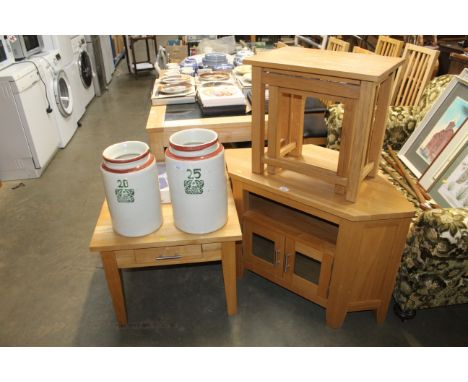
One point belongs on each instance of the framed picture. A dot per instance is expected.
(442, 122)
(449, 155)
(451, 187)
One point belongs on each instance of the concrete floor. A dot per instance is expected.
(53, 291)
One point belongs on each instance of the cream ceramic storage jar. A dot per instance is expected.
(197, 180)
(132, 189)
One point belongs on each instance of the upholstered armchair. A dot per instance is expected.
(434, 266)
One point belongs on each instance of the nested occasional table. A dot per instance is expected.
(363, 83)
(166, 246)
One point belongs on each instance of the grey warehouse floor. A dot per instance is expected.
(53, 291)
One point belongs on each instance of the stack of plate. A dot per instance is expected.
(239, 58)
(189, 62)
(221, 94)
(214, 76)
(213, 60)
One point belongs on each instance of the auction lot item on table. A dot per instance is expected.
(197, 180)
(173, 88)
(132, 189)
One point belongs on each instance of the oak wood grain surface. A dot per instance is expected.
(340, 64)
(105, 239)
(378, 199)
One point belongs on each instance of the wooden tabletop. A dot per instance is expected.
(105, 239)
(371, 67)
(156, 121)
(377, 198)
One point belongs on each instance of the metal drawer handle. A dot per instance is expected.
(169, 257)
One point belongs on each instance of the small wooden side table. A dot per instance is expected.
(166, 246)
(362, 84)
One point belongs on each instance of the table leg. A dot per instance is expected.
(228, 258)
(114, 282)
(239, 261)
(335, 316)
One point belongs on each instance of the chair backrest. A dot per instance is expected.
(337, 45)
(358, 49)
(390, 47)
(413, 76)
(281, 44)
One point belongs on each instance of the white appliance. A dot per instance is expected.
(107, 57)
(28, 138)
(91, 42)
(59, 88)
(63, 44)
(25, 46)
(82, 62)
(6, 54)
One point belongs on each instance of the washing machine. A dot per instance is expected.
(82, 62)
(63, 43)
(28, 137)
(59, 89)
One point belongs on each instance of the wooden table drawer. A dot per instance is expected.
(168, 255)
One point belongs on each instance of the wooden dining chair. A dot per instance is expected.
(413, 76)
(358, 49)
(337, 45)
(390, 47)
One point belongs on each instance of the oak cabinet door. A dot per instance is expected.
(263, 248)
(307, 267)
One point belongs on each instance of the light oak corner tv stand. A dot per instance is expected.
(301, 235)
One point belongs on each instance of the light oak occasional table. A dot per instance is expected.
(166, 246)
(361, 83)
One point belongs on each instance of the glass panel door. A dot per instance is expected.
(263, 247)
(31, 42)
(307, 268)
(86, 70)
(63, 94)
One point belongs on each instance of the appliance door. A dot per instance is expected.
(6, 54)
(63, 94)
(27, 45)
(90, 49)
(107, 57)
(32, 43)
(13, 141)
(31, 121)
(85, 68)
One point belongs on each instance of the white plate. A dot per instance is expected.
(243, 69)
(174, 89)
(175, 79)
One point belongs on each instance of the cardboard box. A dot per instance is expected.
(177, 53)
